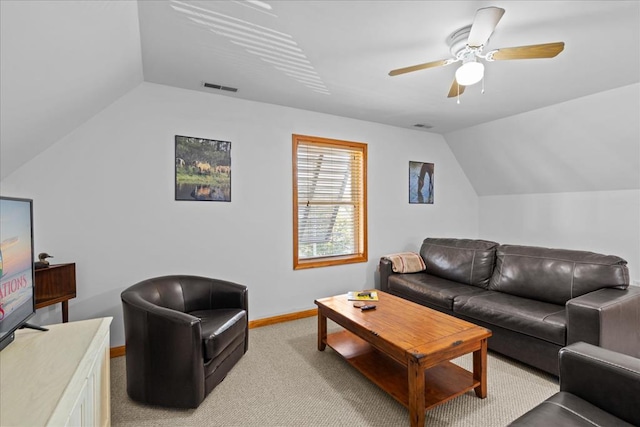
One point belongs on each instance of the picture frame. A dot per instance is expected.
(202, 169)
(421, 184)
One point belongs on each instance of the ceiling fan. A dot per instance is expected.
(466, 46)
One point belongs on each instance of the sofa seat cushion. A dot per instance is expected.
(567, 410)
(430, 289)
(220, 328)
(534, 318)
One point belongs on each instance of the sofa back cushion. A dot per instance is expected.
(555, 275)
(461, 260)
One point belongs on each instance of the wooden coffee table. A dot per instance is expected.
(405, 349)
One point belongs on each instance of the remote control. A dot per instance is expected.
(367, 307)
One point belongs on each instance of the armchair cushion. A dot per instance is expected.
(566, 410)
(220, 328)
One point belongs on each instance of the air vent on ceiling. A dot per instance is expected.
(422, 125)
(219, 87)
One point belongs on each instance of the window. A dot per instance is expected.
(329, 202)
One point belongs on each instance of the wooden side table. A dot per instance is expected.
(56, 284)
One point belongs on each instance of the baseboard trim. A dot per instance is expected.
(258, 323)
(117, 351)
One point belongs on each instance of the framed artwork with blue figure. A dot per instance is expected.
(421, 182)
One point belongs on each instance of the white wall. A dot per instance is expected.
(104, 198)
(586, 144)
(600, 221)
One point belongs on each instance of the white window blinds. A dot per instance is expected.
(330, 199)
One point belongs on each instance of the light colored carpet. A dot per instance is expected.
(283, 380)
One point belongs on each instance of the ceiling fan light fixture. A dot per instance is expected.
(470, 73)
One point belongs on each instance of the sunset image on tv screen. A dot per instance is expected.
(16, 285)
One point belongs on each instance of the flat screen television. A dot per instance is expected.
(17, 292)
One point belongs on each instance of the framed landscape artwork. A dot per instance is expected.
(421, 182)
(203, 169)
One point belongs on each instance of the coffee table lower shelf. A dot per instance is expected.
(443, 382)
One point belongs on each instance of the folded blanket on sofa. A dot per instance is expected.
(406, 262)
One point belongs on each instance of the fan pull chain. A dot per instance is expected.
(458, 101)
(482, 92)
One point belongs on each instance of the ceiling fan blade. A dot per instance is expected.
(420, 67)
(484, 23)
(547, 50)
(453, 92)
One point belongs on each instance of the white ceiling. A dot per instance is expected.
(351, 46)
(62, 62)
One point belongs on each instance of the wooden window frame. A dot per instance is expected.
(362, 244)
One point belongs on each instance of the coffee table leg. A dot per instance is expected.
(416, 393)
(322, 331)
(480, 369)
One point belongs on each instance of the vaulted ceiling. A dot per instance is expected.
(335, 56)
(62, 62)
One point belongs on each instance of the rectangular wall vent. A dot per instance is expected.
(219, 87)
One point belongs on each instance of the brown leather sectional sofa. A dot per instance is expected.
(535, 300)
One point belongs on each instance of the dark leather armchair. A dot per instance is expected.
(598, 387)
(183, 335)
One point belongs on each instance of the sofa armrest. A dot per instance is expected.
(608, 318)
(604, 378)
(385, 270)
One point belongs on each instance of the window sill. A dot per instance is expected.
(328, 261)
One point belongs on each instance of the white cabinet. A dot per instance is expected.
(57, 378)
